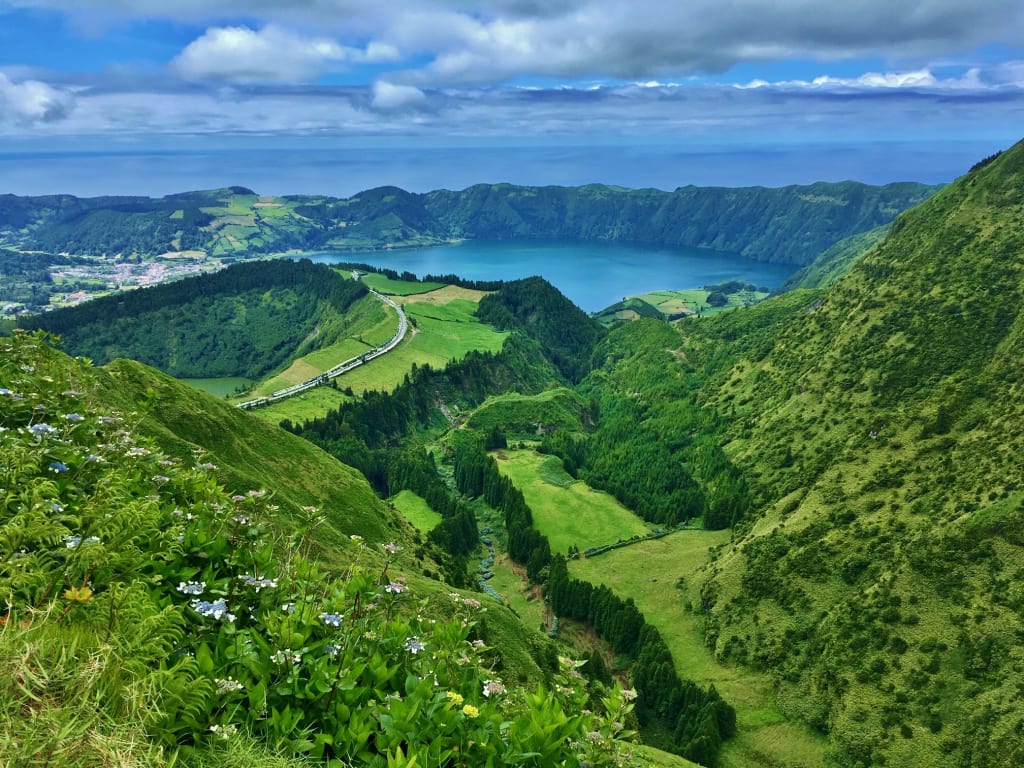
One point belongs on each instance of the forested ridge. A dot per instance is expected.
(786, 225)
(873, 429)
(241, 321)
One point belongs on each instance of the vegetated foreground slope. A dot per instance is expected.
(880, 431)
(242, 321)
(148, 615)
(787, 225)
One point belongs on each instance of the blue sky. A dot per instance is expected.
(746, 75)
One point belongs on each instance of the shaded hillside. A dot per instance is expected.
(836, 261)
(242, 321)
(534, 306)
(787, 225)
(880, 432)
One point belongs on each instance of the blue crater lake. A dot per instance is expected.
(592, 275)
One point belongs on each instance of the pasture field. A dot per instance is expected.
(444, 295)
(441, 331)
(308, 405)
(567, 511)
(384, 284)
(416, 510)
(693, 300)
(649, 572)
(370, 324)
(439, 335)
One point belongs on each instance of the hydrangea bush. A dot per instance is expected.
(217, 626)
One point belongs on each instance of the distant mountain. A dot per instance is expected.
(788, 225)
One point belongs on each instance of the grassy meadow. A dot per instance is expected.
(695, 300)
(416, 510)
(384, 284)
(443, 328)
(660, 576)
(567, 511)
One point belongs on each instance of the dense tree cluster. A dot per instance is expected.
(25, 277)
(477, 474)
(695, 721)
(241, 321)
(534, 306)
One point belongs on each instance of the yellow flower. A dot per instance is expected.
(470, 711)
(454, 697)
(78, 594)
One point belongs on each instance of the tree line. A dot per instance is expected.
(241, 321)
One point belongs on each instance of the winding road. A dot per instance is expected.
(338, 370)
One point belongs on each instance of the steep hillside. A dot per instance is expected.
(242, 321)
(150, 616)
(835, 261)
(787, 225)
(880, 432)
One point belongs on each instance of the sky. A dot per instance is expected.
(915, 89)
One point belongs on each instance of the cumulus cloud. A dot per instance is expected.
(463, 41)
(388, 96)
(31, 101)
(921, 79)
(241, 54)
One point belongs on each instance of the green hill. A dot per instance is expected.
(880, 431)
(159, 610)
(835, 261)
(787, 225)
(242, 321)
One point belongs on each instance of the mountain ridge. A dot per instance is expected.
(790, 224)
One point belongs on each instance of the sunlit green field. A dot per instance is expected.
(440, 333)
(696, 300)
(649, 572)
(309, 405)
(509, 580)
(416, 510)
(567, 511)
(384, 284)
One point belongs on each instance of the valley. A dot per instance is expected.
(814, 497)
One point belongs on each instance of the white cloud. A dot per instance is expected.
(974, 79)
(462, 41)
(272, 54)
(389, 96)
(31, 101)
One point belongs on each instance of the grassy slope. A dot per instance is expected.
(528, 415)
(836, 261)
(882, 429)
(662, 576)
(444, 329)
(416, 510)
(441, 333)
(384, 284)
(250, 453)
(567, 511)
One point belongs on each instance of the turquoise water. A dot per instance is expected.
(221, 386)
(593, 275)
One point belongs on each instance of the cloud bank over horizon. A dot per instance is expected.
(742, 74)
